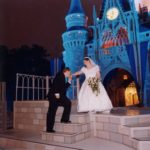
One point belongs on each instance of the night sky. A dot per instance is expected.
(27, 22)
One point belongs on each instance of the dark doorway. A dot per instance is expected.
(121, 88)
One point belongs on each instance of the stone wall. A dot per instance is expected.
(31, 115)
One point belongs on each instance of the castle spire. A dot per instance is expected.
(75, 37)
(75, 7)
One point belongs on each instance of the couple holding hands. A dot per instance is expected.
(92, 95)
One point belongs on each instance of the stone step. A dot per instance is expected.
(122, 120)
(139, 130)
(142, 143)
(143, 138)
(65, 138)
(125, 135)
(73, 108)
(72, 127)
(139, 119)
(139, 125)
(132, 130)
(128, 130)
(76, 118)
(29, 144)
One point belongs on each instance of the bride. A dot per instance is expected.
(91, 98)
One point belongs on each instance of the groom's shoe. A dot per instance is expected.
(51, 131)
(65, 121)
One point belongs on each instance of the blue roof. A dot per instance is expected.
(76, 7)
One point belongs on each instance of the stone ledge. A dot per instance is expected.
(72, 127)
(65, 138)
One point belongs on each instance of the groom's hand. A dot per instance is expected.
(57, 95)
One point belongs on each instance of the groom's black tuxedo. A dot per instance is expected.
(60, 86)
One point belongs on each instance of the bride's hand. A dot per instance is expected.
(75, 74)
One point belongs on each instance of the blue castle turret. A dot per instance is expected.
(75, 37)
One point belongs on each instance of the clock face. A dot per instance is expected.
(112, 13)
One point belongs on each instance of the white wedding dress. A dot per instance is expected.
(87, 100)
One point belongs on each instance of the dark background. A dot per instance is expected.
(41, 22)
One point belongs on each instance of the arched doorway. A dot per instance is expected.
(121, 88)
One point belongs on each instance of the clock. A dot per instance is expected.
(112, 13)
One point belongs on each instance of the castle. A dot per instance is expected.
(118, 41)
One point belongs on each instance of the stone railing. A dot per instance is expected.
(3, 110)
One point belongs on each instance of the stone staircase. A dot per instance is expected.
(79, 129)
(133, 131)
(35, 112)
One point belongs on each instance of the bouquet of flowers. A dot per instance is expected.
(93, 82)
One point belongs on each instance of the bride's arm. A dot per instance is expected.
(77, 73)
(98, 74)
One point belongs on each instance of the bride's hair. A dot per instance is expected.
(90, 60)
(87, 58)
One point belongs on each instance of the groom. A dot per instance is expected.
(57, 97)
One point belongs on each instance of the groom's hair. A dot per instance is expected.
(66, 69)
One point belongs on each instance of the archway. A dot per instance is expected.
(121, 88)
